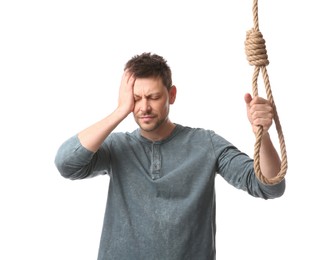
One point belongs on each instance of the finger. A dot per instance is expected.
(247, 98)
(131, 79)
(259, 100)
(262, 116)
(264, 120)
(128, 79)
(261, 108)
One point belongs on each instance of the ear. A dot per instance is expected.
(172, 94)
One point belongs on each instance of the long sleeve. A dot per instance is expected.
(73, 161)
(237, 169)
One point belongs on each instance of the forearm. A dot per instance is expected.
(269, 159)
(92, 137)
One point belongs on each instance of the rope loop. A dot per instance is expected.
(257, 56)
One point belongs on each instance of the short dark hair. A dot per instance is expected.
(148, 65)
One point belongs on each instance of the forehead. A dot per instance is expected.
(148, 85)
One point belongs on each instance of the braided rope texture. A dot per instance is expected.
(257, 56)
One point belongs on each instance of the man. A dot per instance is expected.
(161, 200)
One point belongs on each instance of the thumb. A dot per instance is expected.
(247, 98)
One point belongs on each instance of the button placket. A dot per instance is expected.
(155, 161)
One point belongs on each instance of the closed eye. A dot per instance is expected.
(154, 97)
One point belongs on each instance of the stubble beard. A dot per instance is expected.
(153, 126)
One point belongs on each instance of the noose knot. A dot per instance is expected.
(255, 49)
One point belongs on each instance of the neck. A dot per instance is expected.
(161, 133)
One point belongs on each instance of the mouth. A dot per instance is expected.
(146, 118)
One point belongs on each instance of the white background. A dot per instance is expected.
(60, 68)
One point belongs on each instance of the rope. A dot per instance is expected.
(257, 56)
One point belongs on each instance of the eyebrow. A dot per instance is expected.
(152, 94)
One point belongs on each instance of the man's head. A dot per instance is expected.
(153, 94)
(147, 65)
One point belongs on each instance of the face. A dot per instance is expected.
(152, 100)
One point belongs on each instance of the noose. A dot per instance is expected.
(257, 56)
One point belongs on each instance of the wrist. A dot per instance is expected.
(121, 112)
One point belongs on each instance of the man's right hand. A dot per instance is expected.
(126, 93)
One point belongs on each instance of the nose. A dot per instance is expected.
(145, 105)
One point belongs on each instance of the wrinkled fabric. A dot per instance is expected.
(161, 199)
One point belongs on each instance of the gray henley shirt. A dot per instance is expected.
(161, 198)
